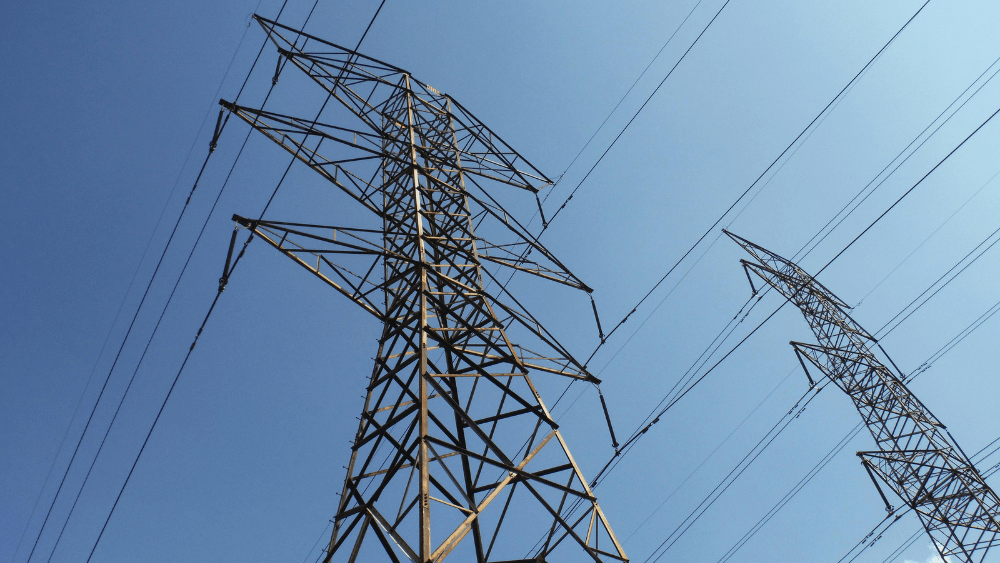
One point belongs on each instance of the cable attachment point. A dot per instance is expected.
(607, 417)
(229, 258)
(277, 69)
(218, 131)
(746, 270)
(600, 331)
(869, 469)
(545, 223)
(244, 222)
(798, 356)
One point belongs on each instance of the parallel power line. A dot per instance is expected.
(228, 270)
(673, 397)
(796, 410)
(793, 413)
(810, 126)
(121, 306)
(693, 381)
(788, 150)
(259, 227)
(923, 367)
(730, 327)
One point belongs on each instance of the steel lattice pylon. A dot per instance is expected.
(917, 457)
(455, 454)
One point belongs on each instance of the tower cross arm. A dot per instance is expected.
(315, 252)
(368, 87)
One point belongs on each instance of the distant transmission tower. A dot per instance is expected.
(456, 454)
(917, 457)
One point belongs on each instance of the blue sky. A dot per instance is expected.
(102, 102)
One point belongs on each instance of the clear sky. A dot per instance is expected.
(102, 101)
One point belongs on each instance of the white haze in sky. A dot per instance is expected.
(935, 558)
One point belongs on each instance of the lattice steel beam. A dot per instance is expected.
(456, 453)
(917, 457)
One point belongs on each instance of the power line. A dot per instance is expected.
(788, 496)
(155, 420)
(139, 307)
(115, 363)
(613, 142)
(929, 237)
(904, 160)
(135, 372)
(121, 307)
(815, 120)
(220, 289)
(594, 166)
(920, 181)
(795, 151)
(906, 544)
(945, 284)
(629, 443)
(814, 246)
(837, 448)
(546, 224)
(898, 200)
(614, 109)
(710, 455)
(731, 477)
(219, 129)
(634, 116)
(149, 341)
(961, 336)
(869, 227)
(220, 126)
(821, 231)
(769, 167)
(817, 468)
(604, 338)
(876, 532)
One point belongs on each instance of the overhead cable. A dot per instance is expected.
(220, 126)
(642, 431)
(214, 301)
(899, 156)
(614, 109)
(766, 170)
(814, 121)
(945, 284)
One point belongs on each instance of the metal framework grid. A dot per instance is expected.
(454, 439)
(917, 457)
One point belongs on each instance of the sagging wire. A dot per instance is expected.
(220, 125)
(823, 112)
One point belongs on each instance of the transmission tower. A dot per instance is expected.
(455, 454)
(917, 457)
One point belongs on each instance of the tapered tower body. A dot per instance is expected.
(917, 458)
(456, 455)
